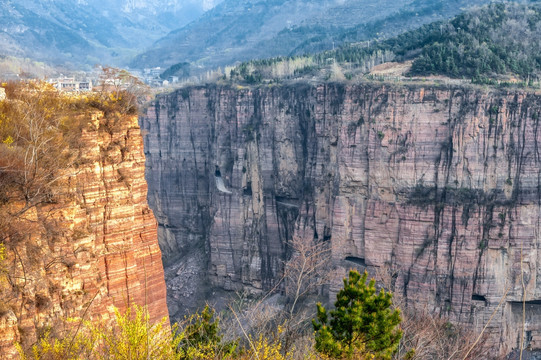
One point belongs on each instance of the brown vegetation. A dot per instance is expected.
(40, 152)
(39, 131)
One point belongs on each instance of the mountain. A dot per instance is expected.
(90, 31)
(495, 44)
(238, 30)
(432, 184)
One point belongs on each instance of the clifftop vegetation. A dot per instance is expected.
(240, 30)
(495, 42)
(39, 130)
(40, 149)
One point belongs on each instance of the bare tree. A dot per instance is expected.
(308, 270)
(125, 89)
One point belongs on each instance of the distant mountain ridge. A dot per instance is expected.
(497, 44)
(239, 30)
(86, 32)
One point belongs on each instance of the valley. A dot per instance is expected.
(255, 159)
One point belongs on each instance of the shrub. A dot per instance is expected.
(200, 338)
(264, 349)
(363, 322)
(132, 337)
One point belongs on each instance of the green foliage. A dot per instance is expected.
(485, 44)
(200, 338)
(181, 70)
(362, 321)
(497, 39)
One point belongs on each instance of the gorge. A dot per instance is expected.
(374, 140)
(437, 186)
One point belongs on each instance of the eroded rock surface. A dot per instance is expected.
(437, 187)
(92, 248)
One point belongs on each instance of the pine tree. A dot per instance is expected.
(200, 338)
(362, 323)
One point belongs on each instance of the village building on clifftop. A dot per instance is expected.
(70, 84)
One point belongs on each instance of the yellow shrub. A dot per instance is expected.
(263, 349)
(132, 337)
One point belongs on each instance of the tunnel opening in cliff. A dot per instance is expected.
(477, 297)
(356, 260)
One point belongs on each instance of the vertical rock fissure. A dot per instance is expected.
(421, 186)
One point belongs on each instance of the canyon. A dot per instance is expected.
(439, 187)
(90, 249)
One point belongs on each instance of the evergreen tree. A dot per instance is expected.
(362, 323)
(200, 338)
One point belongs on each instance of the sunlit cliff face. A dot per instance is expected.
(436, 187)
(79, 236)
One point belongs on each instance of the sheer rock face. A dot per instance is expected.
(437, 187)
(95, 248)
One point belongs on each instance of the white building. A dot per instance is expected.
(70, 84)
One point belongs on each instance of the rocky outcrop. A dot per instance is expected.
(91, 248)
(9, 335)
(437, 187)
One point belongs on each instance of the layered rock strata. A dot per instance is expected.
(91, 249)
(438, 187)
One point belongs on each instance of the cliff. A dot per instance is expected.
(91, 246)
(438, 187)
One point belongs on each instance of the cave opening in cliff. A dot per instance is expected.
(356, 260)
(247, 191)
(476, 297)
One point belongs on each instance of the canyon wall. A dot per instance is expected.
(438, 187)
(92, 247)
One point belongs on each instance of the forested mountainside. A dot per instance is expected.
(240, 30)
(496, 42)
(91, 31)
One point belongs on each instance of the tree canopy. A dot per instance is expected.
(363, 323)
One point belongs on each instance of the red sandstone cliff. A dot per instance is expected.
(438, 187)
(93, 247)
